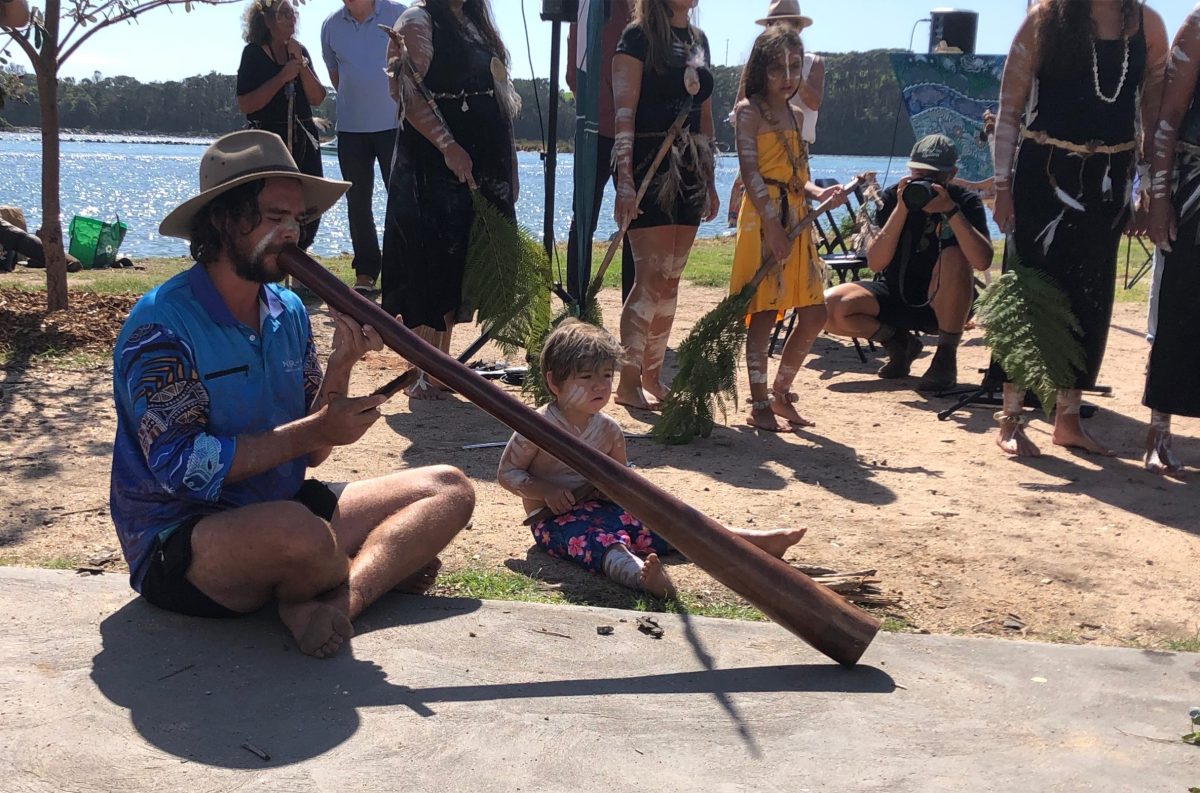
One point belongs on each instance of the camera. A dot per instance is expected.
(918, 193)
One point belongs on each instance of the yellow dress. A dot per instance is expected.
(801, 281)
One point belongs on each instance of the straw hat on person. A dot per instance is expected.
(780, 10)
(241, 157)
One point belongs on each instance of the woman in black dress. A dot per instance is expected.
(277, 88)
(661, 68)
(455, 137)
(1173, 377)
(1069, 108)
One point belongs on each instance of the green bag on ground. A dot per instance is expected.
(95, 243)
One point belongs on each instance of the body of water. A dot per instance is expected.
(141, 178)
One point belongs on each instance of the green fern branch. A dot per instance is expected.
(1028, 324)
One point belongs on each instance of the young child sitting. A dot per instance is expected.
(578, 362)
(773, 157)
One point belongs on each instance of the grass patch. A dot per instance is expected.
(56, 359)
(495, 585)
(508, 585)
(1189, 644)
(54, 563)
(689, 604)
(894, 623)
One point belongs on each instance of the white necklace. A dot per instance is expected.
(1096, 74)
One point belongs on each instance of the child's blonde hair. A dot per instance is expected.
(575, 347)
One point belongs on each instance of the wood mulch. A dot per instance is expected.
(91, 324)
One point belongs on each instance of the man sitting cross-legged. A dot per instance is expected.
(222, 405)
(926, 256)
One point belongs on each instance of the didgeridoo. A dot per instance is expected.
(817, 615)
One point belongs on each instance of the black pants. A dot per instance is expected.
(357, 154)
(603, 174)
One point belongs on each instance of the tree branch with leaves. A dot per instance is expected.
(42, 41)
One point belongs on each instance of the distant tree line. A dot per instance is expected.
(859, 114)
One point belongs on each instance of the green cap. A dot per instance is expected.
(933, 153)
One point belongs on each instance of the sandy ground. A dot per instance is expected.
(1079, 548)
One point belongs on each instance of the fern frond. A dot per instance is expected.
(1028, 323)
(707, 378)
(507, 278)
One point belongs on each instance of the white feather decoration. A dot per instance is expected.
(1047, 234)
(1106, 182)
(1067, 199)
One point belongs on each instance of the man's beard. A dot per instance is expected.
(252, 266)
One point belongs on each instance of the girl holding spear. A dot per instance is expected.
(774, 167)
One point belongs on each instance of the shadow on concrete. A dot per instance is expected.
(202, 690)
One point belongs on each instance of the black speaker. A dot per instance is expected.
(956, 28)
(560, 11)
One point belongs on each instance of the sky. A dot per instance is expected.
(168, 44)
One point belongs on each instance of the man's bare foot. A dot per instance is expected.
(421, 581)
(1160, 457)
(638, 399)
(654, 579)
(773, 541)
(764, 419)
(1012, 439)
(319, 628)
(1076, 437)
(784, 406)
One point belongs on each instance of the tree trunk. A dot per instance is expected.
(47, 80)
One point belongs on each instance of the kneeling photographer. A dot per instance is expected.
(925, 245)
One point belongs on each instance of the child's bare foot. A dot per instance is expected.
(319, 628)
(763, 418)
(1012, 439)
(784, 406)
(773, 541)
(654, 579)
(1076, 437)
(421, 581)
(1160, 457)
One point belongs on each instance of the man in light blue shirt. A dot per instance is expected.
(355, 52)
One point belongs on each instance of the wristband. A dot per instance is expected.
(951, 213)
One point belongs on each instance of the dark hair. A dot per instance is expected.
(775, 41)
(1062, 46)
(480, 14)
(254, 21)
(654, 18)
(214, 225)
(575, 346)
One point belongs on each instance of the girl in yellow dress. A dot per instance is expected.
(774, 167)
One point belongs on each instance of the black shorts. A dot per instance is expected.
(165, 583)
(895, 312)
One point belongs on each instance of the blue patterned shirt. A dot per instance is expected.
(188, 378)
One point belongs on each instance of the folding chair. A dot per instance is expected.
(834, 250)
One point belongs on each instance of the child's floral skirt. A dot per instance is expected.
(584, 534)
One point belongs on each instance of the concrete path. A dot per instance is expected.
(101, 692)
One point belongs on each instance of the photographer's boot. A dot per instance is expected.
(902, 349)
(943, 370)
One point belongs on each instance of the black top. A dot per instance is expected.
(1189, 130)
(924, 238)
(1069, 109)
(256, 68)
(663, 93)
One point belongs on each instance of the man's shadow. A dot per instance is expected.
(219, 692)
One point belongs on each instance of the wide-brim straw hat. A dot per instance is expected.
(785, 9)
(241, 157)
